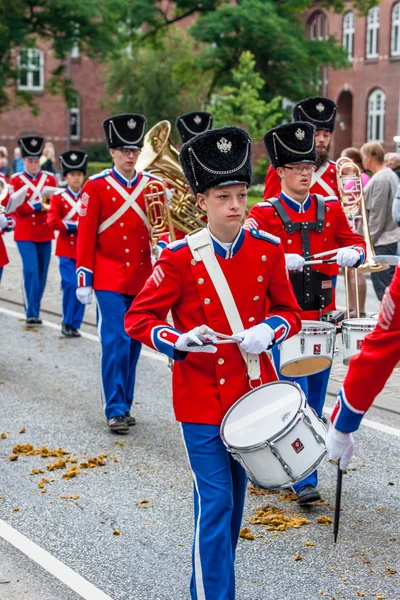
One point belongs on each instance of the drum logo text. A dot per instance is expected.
(317, 348)
(297, 445)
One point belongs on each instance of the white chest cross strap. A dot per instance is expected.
(317, 179)
(130, 202)
(75, 204)
(36, 189)
(202, 249)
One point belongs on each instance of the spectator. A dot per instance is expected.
(3, 160)
(396, 207)
(392, 161)
(18, 163)
(354, 156)
(48, 158)
(380, 192)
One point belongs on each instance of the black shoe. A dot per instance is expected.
(129, 420)
(38, 321)
(118, 424)
(75, 332)
(308, 494)
(66, 330)
(31, 321)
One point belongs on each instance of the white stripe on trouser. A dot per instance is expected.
(99, 323)
(198, 571)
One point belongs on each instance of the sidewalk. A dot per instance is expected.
(10, 290)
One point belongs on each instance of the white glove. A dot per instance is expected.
(84, 294)
(256, 339)
(3, 222)
(347, 257)
(340, 446)
(197, 338)
(294, 262)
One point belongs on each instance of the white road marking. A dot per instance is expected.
(52, 565)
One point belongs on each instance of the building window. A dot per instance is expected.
(31, 70)
(372, 33)
(395, 41)
(376, 116)
(348, 34)
(318, 26)
(75, 119)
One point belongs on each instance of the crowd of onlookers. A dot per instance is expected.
(47, 160)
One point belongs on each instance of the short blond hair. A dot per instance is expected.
(375, 150)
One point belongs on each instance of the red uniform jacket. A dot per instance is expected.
(205, 386)
(323, 182)
(62, 216)
(336, 233)
(31, 222)
(3, 252)
(370, 369)
(118, 258)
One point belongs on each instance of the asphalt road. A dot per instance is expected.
(49, 390)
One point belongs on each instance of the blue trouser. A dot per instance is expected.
(314, 388)
(72, 309)
(35, 264)
(219, 493)
(120, 353)
(1, 272)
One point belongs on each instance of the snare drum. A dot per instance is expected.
(275, 435)
(310, 351)
(353, 334)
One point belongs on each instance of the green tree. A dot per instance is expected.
(240, 104)
(91, 24)
(161, 79)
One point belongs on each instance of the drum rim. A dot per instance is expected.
(276, 436)
(349, 326)
(323, 327)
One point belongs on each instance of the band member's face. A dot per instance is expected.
(124, 158)
(296, 179)
(322, 140)
(225, 206)
(31, 165)
(74, 180)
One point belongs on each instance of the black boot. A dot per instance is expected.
(118, 424)
(66, 330)
(75, 332)
(308, 494)
(131, 421)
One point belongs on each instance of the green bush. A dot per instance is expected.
(97, 152)
(256, 190)
(96, 167)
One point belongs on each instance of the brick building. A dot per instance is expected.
(368, 92)
(84, 120)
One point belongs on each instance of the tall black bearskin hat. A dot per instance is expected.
(125, 131)
(193, 123)
(319, 111)
(216, 158)
(31, 146)
(73, 160)
(291, 143)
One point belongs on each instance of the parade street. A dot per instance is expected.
(116, 510)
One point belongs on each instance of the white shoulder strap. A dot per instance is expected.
(202, 249)
(130, 202)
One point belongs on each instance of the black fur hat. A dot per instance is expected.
(217, 157)
(73, 160)
(193, 123)
(319, 111)
(31, 146)
(291, 143)
(125, 131)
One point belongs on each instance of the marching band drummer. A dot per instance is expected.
(113, 258)
(221, 276)
(62, 216)
(7, 223)
(32, 234)
(307, 224)
(379, 355)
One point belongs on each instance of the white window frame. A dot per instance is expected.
(318, 23)
(372, 37)
(348, 34)
(395, 30)
(76, 110)
(376, 116)
(32, 68)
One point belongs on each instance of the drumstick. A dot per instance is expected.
(204, 330)
(327, 261)
(335, 251)
(337, 503)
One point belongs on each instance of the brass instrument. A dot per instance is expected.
(158, 213)
(159, 157)
(351, 195)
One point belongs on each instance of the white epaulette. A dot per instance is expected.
(177, 244)
(264, 235)
(263, 204)
(146, 174)
(100, 175)
(47, 172)
(331, 198)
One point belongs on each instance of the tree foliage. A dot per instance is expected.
(240, 104)
(161, 80)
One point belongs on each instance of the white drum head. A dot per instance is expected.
(261, 414)
(362, 324)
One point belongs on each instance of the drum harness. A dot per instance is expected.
(308, 285)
